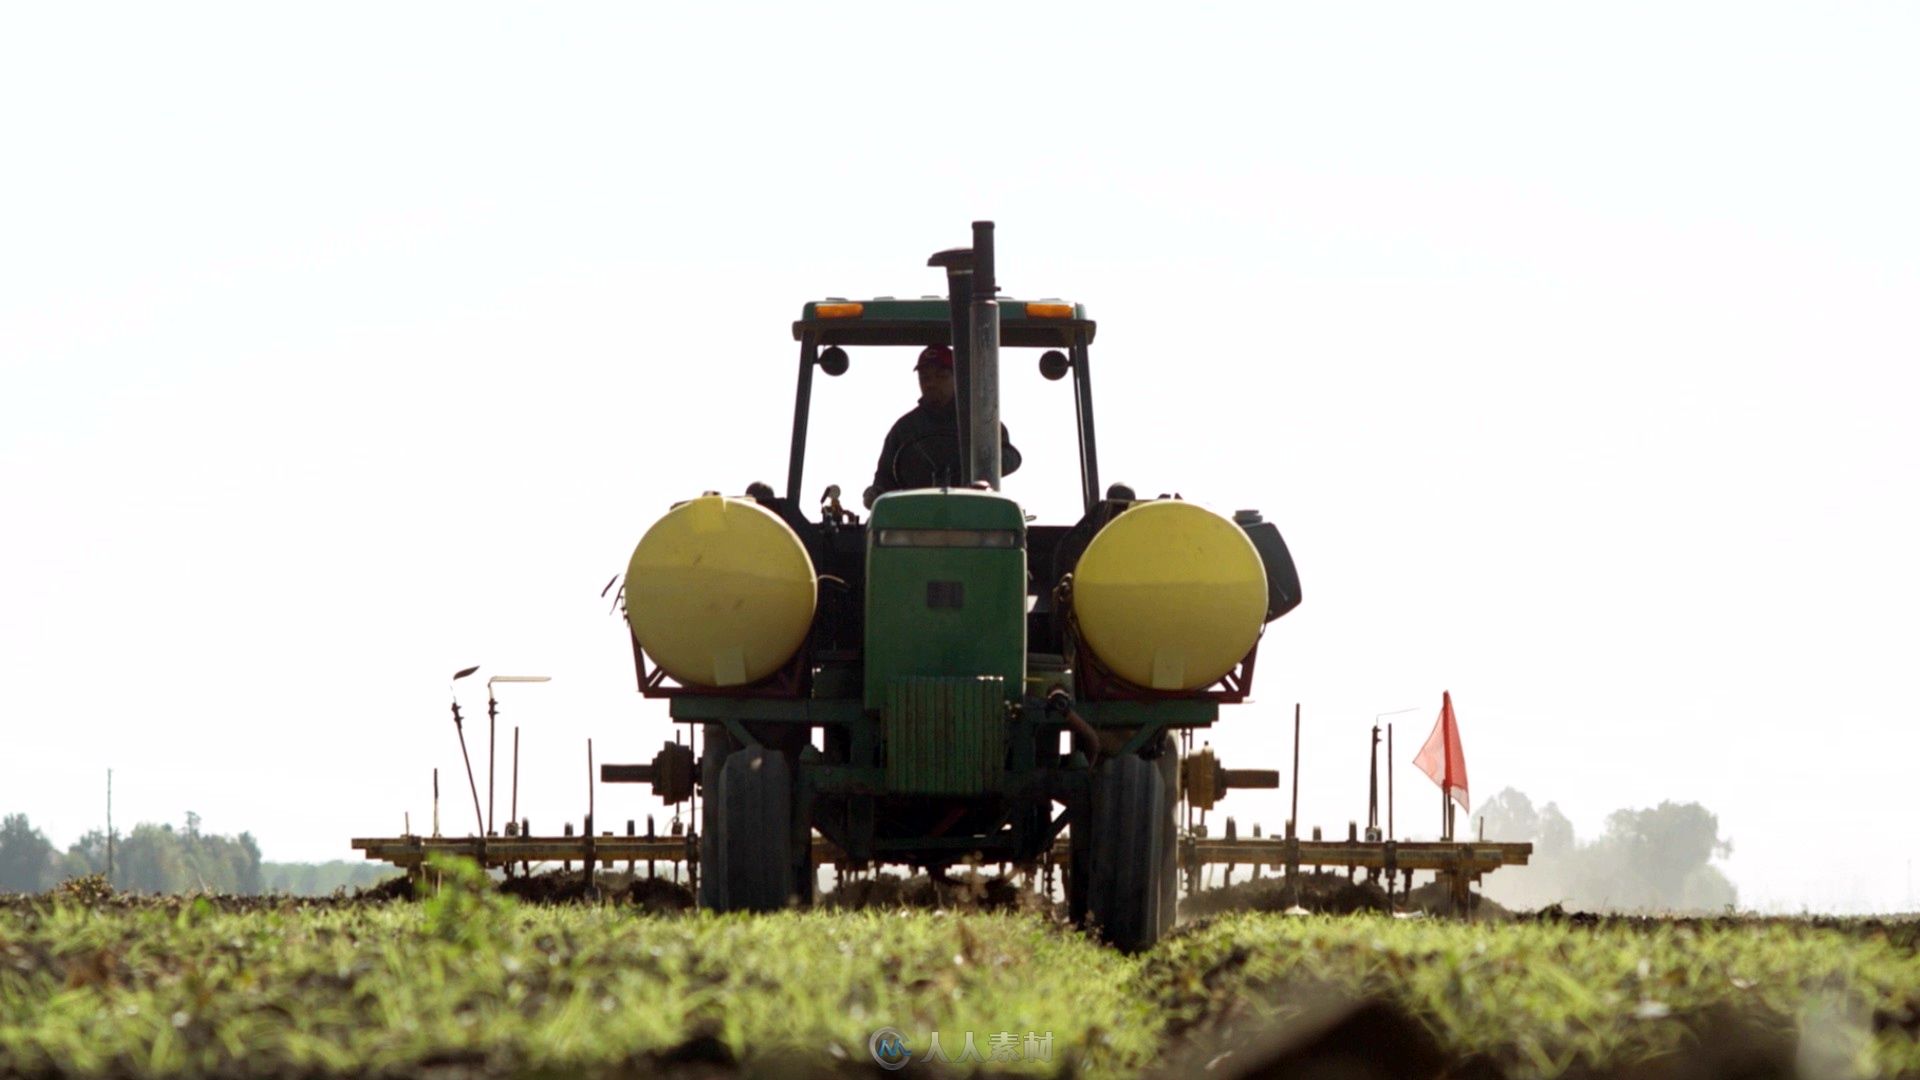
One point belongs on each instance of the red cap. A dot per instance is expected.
(936, 356)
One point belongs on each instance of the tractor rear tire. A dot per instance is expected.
(1169, 764)
(1079, 862)
(1131, 836)
(752, 868)
(717, 746)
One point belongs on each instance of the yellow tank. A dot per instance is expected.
(1170, 595)
(720, 592)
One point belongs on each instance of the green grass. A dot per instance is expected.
(475, 981)
(1541, 999)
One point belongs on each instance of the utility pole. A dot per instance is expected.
(109, 828)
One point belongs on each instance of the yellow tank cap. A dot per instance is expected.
(1170, 595)
(720, 592)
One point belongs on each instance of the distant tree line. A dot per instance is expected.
(322, 879)
(1656, 859)
(162, 859)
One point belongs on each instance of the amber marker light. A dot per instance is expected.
(1049, 311)
(838, 311)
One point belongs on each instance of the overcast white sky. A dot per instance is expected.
(1573, 350)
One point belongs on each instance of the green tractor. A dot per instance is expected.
(943, 682)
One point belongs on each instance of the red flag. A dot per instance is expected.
(1442, 758)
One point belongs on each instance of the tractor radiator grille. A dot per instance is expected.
(945, 736)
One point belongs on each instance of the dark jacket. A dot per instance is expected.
(931, 435)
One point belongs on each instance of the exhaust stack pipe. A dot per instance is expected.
(976, 353)
(983, 382)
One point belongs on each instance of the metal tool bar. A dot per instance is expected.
(1250, 778)
(1276, 852)
(409, 851)
(1407, 855)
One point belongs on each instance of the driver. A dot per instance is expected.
(923, 449)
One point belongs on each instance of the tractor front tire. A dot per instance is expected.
(753, 819)
(1130, 842)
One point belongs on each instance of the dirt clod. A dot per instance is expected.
(1331, 894)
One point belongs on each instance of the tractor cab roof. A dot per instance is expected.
(925, 320)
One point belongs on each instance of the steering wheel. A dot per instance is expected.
(929, 461)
